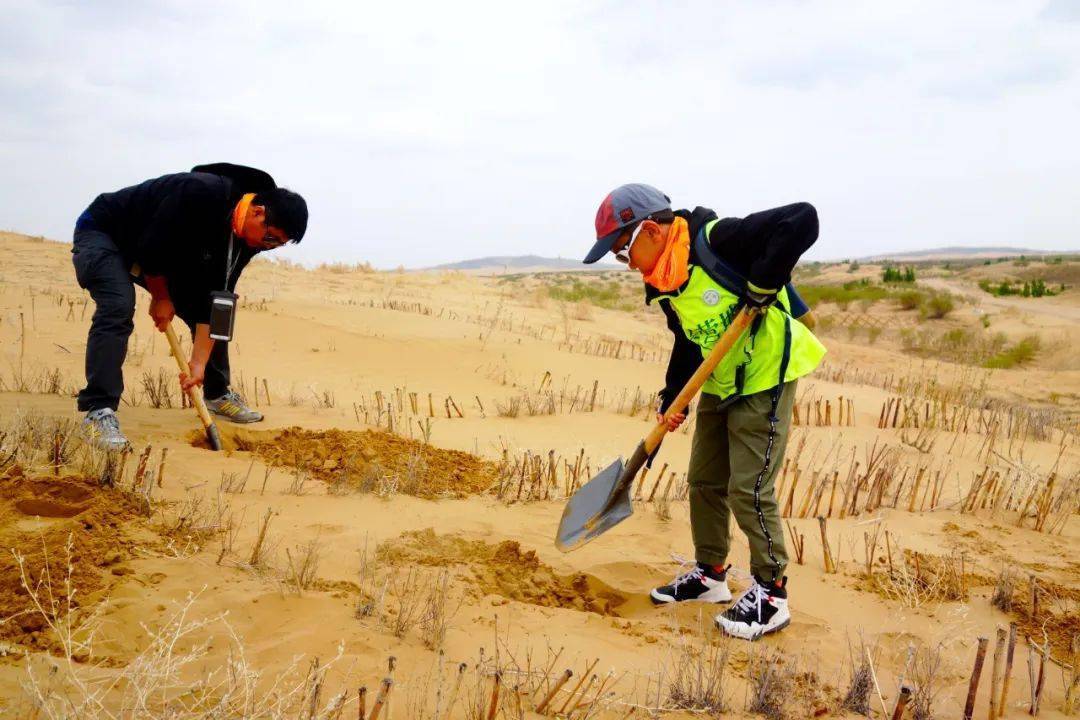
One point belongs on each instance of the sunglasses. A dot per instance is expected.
(623, 253)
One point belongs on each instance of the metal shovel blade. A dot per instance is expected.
(600, 504)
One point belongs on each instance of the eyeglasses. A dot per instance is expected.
(272, 241)
(623, 253)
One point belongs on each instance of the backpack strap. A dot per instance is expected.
(721, 273)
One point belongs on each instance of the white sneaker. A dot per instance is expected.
(700, 584)
(761, 610)
(102, 428)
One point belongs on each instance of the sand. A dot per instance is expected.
(414, 482)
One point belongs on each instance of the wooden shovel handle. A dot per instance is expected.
(701, 375)
(195, 396)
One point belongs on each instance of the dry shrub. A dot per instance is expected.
(511, 408)
(533, 404)
(1004, 589)
(296, 485)
(340, 268)
(699, 677)
(406, 603)
(857, 698)
(305, 565)
(324, 400)
(263, 548)
(662, 506)
(194, 519)
(41, 381)
(439, 610)
(926, 681)
(773, 688)
(232, 483)
(407, 600)
(921, 579)
(158, 388)
(412, 475)
(173, 677)
(373, 582)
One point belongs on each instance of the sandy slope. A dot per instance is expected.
(479, 342)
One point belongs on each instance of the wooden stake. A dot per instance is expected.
(380, 700)
(56, 453)
(547, 672)
(888, 549)
(995, 674)
(361, 707)
(1036, 677)
(901, 703)
(1004, 701)
(1034, 599)
(1037, 688)
(493, 706)
(830, 567)
(266, 392)
(571, 702)
(140, 469)
(457, 686)
(567, 674)
(973, 684)
(588, 671)
(161, 467)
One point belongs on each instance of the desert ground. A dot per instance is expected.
(393, 517)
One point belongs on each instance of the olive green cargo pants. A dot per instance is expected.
(734, 459)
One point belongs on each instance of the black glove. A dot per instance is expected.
(756, 297)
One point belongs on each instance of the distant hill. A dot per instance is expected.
(946, 253)
(519, 263)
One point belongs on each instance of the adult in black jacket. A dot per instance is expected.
(181, 237)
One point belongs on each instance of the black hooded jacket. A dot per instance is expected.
(762, 247)
(179, 226)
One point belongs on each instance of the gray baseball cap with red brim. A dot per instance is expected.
(624, 206)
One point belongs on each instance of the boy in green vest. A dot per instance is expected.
(700, 270)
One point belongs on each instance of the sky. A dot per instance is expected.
(423, 133)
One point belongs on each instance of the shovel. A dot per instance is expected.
(212, 435)
(604, 501)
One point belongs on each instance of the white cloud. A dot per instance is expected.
(427, 132)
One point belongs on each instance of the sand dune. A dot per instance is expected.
(422, 431)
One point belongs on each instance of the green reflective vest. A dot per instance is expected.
(705, 309)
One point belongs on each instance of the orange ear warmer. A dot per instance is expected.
(240, 213)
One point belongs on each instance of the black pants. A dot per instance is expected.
(102, 270)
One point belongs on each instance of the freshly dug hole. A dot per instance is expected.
(503, 569)
(97, 520)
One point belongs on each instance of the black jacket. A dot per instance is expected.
(762, 247)
(179, 226)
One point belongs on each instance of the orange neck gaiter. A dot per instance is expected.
(673, 267)
(240, 212)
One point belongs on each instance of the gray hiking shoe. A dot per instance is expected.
(102, 429)
(232, 407)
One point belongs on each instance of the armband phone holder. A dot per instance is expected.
(222, 314)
